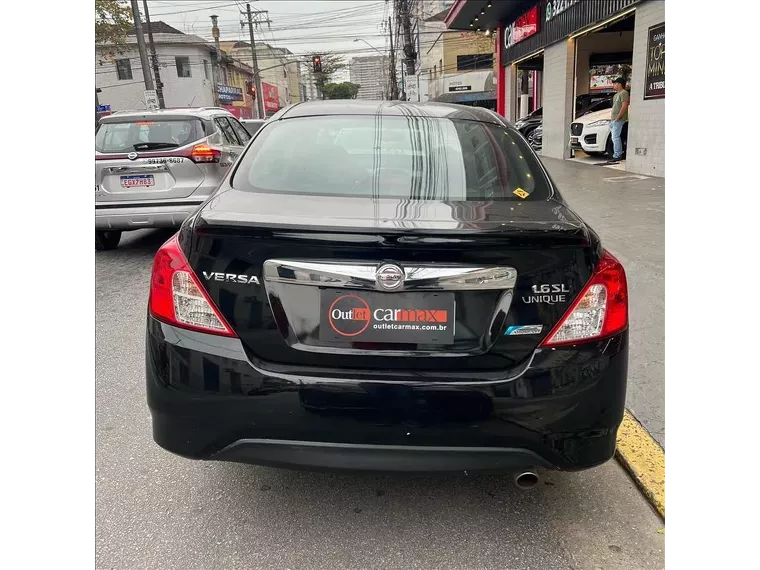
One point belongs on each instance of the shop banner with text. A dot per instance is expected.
(654, 88)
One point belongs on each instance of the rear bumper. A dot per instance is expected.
(377, 458)
(208, 400)
(134, 217)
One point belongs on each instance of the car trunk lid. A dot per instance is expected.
(483, 282)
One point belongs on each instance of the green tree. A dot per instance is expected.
(345, 90)
(331, 64)
(113, 20)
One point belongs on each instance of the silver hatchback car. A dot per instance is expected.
(154, 168)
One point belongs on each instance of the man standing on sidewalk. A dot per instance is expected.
(619, 117)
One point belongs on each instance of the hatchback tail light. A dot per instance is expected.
(177, 297)
(204, 153)
(601, 309)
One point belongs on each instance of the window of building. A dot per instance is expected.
(183, 66)
(440, 65)
(476, 61)
(123, 69)
(435, 71)
(206, 72)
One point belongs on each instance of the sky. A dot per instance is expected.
(305, 27)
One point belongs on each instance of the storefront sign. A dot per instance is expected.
(522, 28)
(654, 86)
(556, 7)
(228, 94)
(271, 97)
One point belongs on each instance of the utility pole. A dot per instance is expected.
(156, 72)
(393, 80)
(409, 54)
(141, 47)
(256, 75)
(215, 61)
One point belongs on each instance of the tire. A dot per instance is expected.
(106, 240)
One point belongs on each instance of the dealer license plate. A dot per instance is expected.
(137, 180)
(398, 318)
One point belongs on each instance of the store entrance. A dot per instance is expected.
(601, 56)
(529, 86)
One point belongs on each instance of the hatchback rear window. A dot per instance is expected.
(129, 136)
(414, 158)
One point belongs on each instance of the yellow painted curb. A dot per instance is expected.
(644, 459)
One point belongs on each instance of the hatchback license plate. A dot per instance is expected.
(398, 318)
(137, 181)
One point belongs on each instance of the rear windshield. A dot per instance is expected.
(415, 158)
(134, 135)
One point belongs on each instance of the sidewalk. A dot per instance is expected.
(628, 213)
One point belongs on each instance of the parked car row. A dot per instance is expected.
(589, 132)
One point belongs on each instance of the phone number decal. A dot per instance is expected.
(171, 160)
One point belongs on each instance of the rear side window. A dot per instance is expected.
(414, 158)
(129, 136)
(240, 131)
(227, 130)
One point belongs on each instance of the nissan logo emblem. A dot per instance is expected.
(132, 156)
(389, 277)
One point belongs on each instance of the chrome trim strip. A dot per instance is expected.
(428, 277)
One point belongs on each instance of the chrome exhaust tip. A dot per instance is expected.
(526, 480)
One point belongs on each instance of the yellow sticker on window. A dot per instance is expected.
(521, 193)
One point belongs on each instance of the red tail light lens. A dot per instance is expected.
(601, 309)
(176, 296)
(204, 153)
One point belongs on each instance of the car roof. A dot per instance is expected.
(200, 112)
(432, 109)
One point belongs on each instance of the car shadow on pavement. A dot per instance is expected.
(595, 515)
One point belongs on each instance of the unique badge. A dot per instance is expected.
(518, 330)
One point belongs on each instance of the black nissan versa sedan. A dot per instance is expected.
(388, 286)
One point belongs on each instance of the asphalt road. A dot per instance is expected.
(158, 511)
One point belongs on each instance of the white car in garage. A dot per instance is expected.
(591, 132)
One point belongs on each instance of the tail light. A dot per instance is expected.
(601, 309)
(204, 153)
(176, 296)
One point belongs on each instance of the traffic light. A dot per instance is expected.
(317, 62)
(250, 88)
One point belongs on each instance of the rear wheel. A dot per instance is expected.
(106, 240)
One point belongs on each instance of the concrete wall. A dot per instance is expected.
(597, 43)
(124, 95)
(646, 128)
(559, 60)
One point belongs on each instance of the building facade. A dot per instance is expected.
(371, 74)
(184, 63)
(186, 69)
(458, 65)
(576, 47)
(233, 95)
(278, 67)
